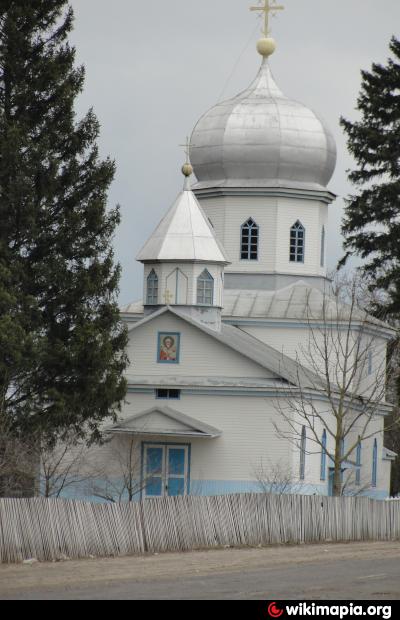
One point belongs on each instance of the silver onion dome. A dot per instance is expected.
(260, 138)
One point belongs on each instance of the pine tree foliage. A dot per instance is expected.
(61, 342)
(372, 217)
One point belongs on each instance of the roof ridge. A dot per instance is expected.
(280, 371)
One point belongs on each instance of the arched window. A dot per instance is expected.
(323, 456)
(375, 463)
(152, 289)
(250, 234)
(297, 243)
(358, 463)
(323, 235)
(205, 289)
(303, 453)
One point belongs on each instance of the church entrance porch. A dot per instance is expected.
(165, 469)
(162, 435)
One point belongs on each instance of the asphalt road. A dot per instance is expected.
(326, 572)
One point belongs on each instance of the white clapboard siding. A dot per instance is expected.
(186, 285)
(200, 354)
(247, 427)
(275, 217)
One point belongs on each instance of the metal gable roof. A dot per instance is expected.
(248, 346)
(180, 381)
(297, 302)
(175, 424)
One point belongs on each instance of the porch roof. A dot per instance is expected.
(164, 421)
(389, 455)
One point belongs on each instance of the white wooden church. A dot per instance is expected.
(219, 336)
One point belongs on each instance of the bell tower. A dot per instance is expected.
(184, 262)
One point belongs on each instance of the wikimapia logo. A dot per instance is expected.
(277, 610)
(274, 611)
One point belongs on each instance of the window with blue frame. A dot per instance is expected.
(249, 240)
(297, 243)
(205, 289)
(323, 238)
(358, 463)
(342, 464)
(323, 456)
(152, 289)
(167, 394)
(303, 446)
(154, 472)
(375, 463)
(165, 469)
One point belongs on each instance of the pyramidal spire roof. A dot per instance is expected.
(184, 234)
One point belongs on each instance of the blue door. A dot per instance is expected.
(176, 471)
(154, 471)
(166, 470)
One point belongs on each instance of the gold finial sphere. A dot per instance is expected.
(187, 170)
(266, 46)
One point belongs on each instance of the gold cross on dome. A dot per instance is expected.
(270, 6)
(168, 297)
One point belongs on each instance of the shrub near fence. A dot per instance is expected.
(52, 529)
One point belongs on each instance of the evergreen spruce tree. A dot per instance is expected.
(61, 342)
(371, 225)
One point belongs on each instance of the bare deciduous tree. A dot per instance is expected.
(18, 463)
(278, 478)
(343, 388)
(121, 479)
(31, 467)
(64, 465)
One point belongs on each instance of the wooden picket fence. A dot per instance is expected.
(55, 529)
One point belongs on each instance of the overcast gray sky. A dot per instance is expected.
(153, 68)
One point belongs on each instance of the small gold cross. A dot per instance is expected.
(270, 6)
(186, 148)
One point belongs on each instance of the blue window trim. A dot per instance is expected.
(176, 335)
(323, 456)
(342, 463)
(375, 464)
(165, 444)
(358, 463)
(303, 446)
(297, 226)
(250, 228)
(153, 285)
(323, 242)
(167, 397)
(204, 279)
